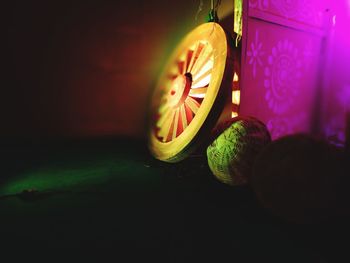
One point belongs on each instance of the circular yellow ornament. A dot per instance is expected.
(191, 93)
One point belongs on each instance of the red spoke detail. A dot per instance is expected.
(192, 104)
(180, 127)
(183, 117)
(195, 56)
(170, 132)
(180, 66)
(187, 61)
(176, 124)
(165, 129)
(189, 114)
(202, 60)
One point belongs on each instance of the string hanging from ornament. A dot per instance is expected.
(200, 8)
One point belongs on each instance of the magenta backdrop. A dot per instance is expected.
(336, 99)
(294, 75)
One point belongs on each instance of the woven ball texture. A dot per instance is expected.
(234, 147)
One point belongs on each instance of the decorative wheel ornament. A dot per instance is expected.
(191, 93)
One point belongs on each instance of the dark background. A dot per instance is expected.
(85, 68)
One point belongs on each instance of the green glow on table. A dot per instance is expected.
(80, 176)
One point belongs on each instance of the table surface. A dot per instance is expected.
(99, 198)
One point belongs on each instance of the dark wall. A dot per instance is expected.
(85, 68)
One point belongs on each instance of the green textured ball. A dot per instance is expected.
(233, 150)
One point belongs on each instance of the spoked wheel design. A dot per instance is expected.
(187, 90)
(191, 92)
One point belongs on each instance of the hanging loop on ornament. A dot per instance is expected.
(213, 16)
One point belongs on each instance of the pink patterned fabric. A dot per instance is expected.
(283, 62)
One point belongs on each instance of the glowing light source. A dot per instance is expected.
(236, 96)
(235, 77)
(234, 114)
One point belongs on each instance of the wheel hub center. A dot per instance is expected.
(179, 90)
